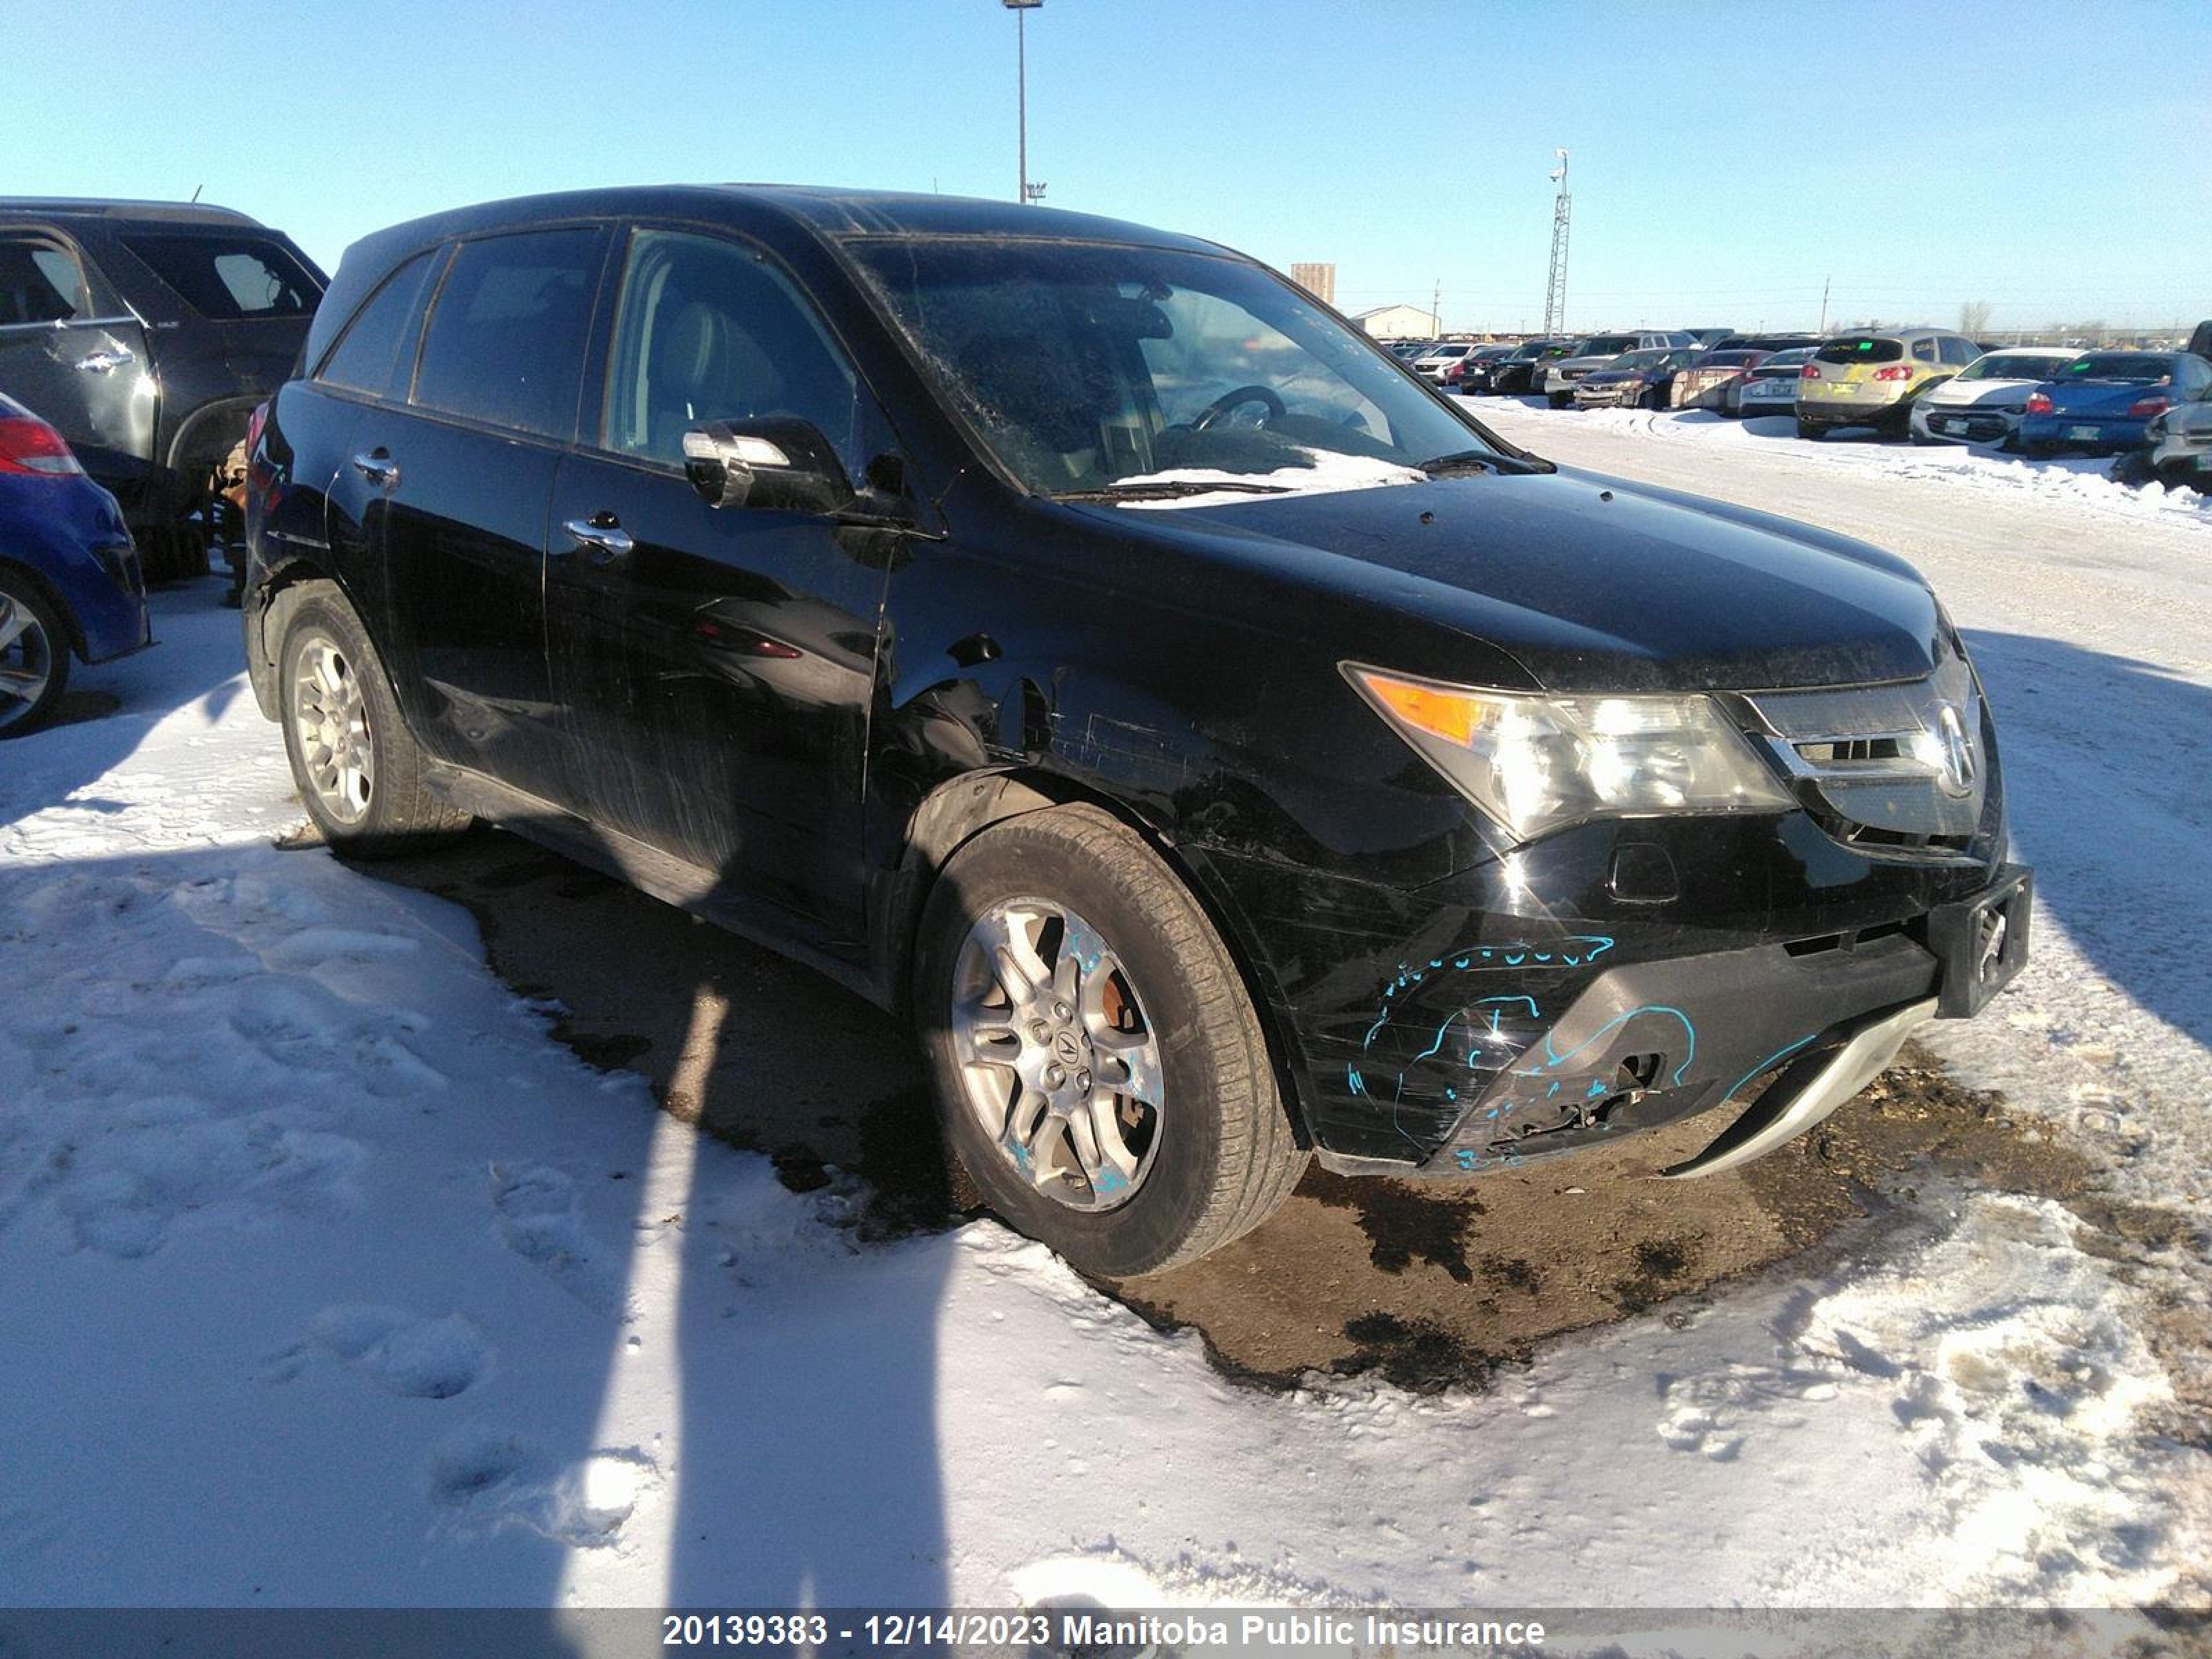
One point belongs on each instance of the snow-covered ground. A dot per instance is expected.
(328, 1276)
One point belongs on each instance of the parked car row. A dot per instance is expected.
(1933, 386)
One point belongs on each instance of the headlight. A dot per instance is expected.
(1535, 763)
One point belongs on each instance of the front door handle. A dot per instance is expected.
(378, 468)
(105, 362)
(601, 537)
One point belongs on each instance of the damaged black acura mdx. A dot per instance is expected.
(1225, 750)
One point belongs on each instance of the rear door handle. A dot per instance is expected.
(378, 468)
(601, 537)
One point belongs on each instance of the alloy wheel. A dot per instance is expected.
(330, 718)
(26, 661)
(1059, 1062)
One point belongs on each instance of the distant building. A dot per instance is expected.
(1398, 323)
(1318, 280)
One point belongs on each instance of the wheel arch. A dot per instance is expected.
(61, 607)
(269, 606)
(962, 808)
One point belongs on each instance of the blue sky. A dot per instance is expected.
(2046, 158)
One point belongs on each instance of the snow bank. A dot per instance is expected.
(331, 1280)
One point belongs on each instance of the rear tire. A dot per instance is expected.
(34, 656)
(359, 770)
(1218, 1151)
(1808, 429)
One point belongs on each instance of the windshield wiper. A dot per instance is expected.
(1167, 490)
(1480, 460)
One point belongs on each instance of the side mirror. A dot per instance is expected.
(783, 466)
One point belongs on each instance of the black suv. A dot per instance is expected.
(1079, 637)
(146, 331)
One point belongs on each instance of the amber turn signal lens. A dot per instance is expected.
(1451, 715)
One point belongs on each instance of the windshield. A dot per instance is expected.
(1728, 360)
(2014, 366)
(1605, 345)
(2141, 371)
(1649, 358)
(1086, 367)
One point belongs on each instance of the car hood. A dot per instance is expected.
(1584, 363)
(1590, 583)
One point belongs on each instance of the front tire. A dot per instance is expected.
(1101, 1072)
(34, 656)
(359, 771)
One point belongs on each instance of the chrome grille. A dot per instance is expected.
(1899, 767)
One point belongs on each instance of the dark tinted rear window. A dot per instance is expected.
(506, 340)
(1861, 348)
(39, 283)
(371, 348)
(230, 277)
(2107, 367)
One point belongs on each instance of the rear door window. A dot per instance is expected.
(1924, 349)
(382, 333)
(227, 275)
(1860, 349)
(506, 338)
(40, 282)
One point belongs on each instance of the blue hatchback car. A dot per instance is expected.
(2100, 403)
(69, 582)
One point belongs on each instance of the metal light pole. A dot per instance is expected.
(1022, 90)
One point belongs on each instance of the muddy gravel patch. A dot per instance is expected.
(1429, 1284)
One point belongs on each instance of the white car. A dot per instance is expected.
(1434, 363)
(1982, 403)
(1772, 388)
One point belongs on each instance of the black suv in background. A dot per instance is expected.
(146, 333)
(1076, 635)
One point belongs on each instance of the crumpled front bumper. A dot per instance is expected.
(1525, 1008)
(1646, 1044)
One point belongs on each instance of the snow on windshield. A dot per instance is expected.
(1327, 472)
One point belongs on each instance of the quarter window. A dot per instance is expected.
(709, 331)
(39, 283)
(230, 277)
(1925, 348)
(382, 333)
(506, 338)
